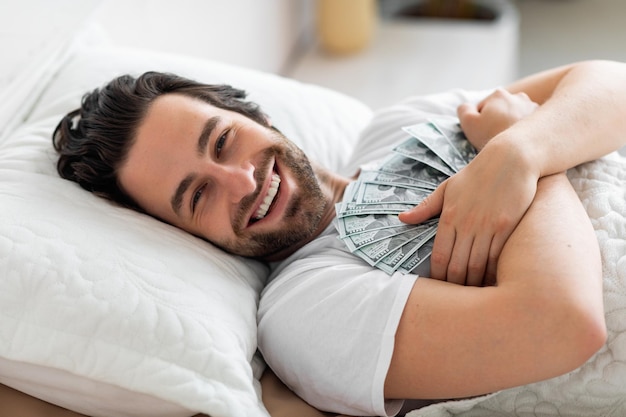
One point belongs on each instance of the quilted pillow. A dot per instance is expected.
(109, 312)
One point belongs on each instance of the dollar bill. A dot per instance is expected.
(387, 193)
(349, 197)
(409, 167)
(363, 222)
(357, 240)
(428, 134)
(402, 255)
(418, 257)
(415, 149)
(380, 177)
(355, 209)
(361, 198)
(367, 217)
(375, 251)
(451, 129)
(371, 235)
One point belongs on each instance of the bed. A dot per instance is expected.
(112, 313)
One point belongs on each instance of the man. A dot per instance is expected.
(344, 337)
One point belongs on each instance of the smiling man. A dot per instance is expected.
(346, 337)
(235, 182)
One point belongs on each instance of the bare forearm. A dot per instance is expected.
(581, 117)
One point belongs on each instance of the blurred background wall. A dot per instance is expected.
(261, 34)
(401, 57)
(280, 36)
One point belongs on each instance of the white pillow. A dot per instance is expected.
(109, 312)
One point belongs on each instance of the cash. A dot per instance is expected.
(367, 217)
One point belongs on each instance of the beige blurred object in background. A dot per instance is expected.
(346, 26)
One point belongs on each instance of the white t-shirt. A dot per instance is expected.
(327, 320)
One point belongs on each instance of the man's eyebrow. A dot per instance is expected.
(177, 199)
(207, 130)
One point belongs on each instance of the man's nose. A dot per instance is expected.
(238, 181)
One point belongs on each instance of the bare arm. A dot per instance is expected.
(580, 118)
(542, 319)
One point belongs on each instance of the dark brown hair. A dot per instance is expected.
(93, 141)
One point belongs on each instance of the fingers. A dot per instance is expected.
(478, 260)
(456, 269)
(466, 110)
(455, 258)
(445, 240)
(494, 114)
(468, 261)
(467, 114)
(469, 237)
(494, 254)
(460, 257)
(427, 209)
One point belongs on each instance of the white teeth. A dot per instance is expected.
(269, 198)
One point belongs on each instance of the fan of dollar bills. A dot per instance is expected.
(367, 218)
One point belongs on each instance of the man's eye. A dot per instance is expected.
(196, 198)
(219, 143)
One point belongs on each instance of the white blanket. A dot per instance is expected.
(598, 388)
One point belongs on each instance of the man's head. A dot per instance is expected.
(196, 156)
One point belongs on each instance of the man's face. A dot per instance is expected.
(221, 176)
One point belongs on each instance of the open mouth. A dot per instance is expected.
(268, 200)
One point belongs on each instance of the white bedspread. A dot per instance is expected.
(598, 388)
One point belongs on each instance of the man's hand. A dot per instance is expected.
(481, 205)
(498, 111)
